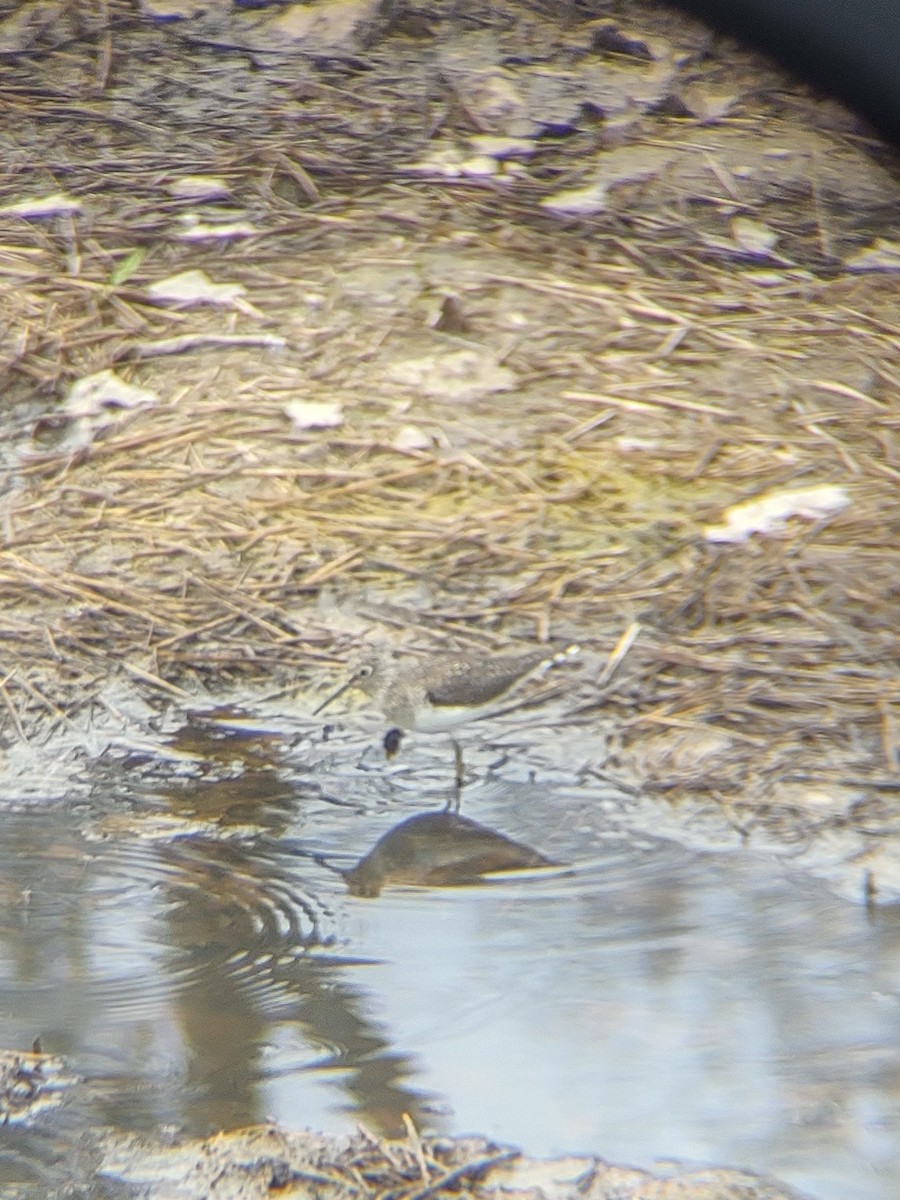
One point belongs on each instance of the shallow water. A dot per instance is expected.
(654, 1002)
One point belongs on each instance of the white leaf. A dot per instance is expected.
(199, 187)
(314, 414)
(770, 513)
(882, 255)
(411, 437)
(95, 393)
(194, 287)
(194, 230)
(56, 205)
(578, 202)
(753, 236)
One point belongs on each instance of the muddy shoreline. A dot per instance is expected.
(326, 331)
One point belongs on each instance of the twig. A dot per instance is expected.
(649, 403)
(621, 648)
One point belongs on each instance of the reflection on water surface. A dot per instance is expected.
(655, 1003)
(438, 849)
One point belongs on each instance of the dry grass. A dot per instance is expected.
(255, 1161)
(656, 379)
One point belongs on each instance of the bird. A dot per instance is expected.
(438, 693)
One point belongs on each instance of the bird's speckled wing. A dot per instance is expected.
(467, 684)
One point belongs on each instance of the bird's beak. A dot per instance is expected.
(334, 695)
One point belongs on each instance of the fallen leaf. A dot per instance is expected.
(753, 236)
(128, 266)
(770, 513)
(91, 395)
(57, 205)
(199, 187)
(194, 287)
(314, 414)
(194, 230)
(578, 202)
(410, 437)
(881, 255)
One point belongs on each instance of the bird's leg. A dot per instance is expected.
(459, 779)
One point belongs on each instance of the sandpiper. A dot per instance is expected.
(435, 695)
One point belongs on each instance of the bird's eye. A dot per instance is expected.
(365, 671)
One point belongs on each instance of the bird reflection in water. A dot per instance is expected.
(439, 849)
